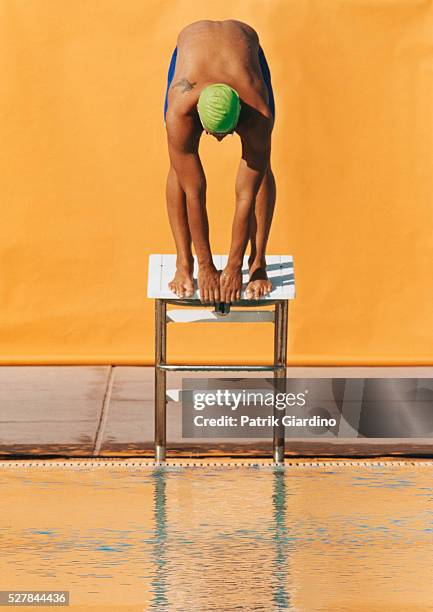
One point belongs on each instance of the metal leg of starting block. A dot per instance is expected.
(161, 367)
(160, 379)
(280, 361)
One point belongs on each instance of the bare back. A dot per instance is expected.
(217, 52)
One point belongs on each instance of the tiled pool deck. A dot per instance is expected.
(105, 411)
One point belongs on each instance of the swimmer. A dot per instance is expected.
(218, 84)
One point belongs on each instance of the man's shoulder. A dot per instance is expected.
(245, 27)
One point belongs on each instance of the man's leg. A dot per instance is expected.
(182, 284)
(260, 224)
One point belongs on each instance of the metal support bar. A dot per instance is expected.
(193, 315)
(224, 368)
(160, 379)
(280, 362)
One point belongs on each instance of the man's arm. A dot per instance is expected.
(183, 140)
(183, 150)
(256, 149)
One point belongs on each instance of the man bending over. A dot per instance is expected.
(219, 83)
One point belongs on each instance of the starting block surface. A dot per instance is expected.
(280, 271)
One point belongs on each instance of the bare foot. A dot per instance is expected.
(259, 284)
(182, 284)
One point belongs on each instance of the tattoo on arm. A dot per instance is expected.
(184, 85)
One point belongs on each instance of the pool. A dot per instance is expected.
(309, 536)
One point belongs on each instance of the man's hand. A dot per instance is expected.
(231, 284)
(208, 283)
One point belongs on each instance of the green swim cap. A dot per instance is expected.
(218, 108)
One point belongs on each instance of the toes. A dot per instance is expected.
(178, 289)
(172, 287)
(255, 291)
(189, 290)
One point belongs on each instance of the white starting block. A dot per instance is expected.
(162, 269)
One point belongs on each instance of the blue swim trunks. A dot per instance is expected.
(265, 72)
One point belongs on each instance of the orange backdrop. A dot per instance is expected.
(84, 160)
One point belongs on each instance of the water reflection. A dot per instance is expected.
(277, 532)
(216, 539)
(159, 581)
(281, 537)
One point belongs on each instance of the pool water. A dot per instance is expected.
(304, 537)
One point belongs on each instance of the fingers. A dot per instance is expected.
(223, 296)
(214, 294)
(226, 295)
(209, 295)
(229, 293)
(223, 290)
